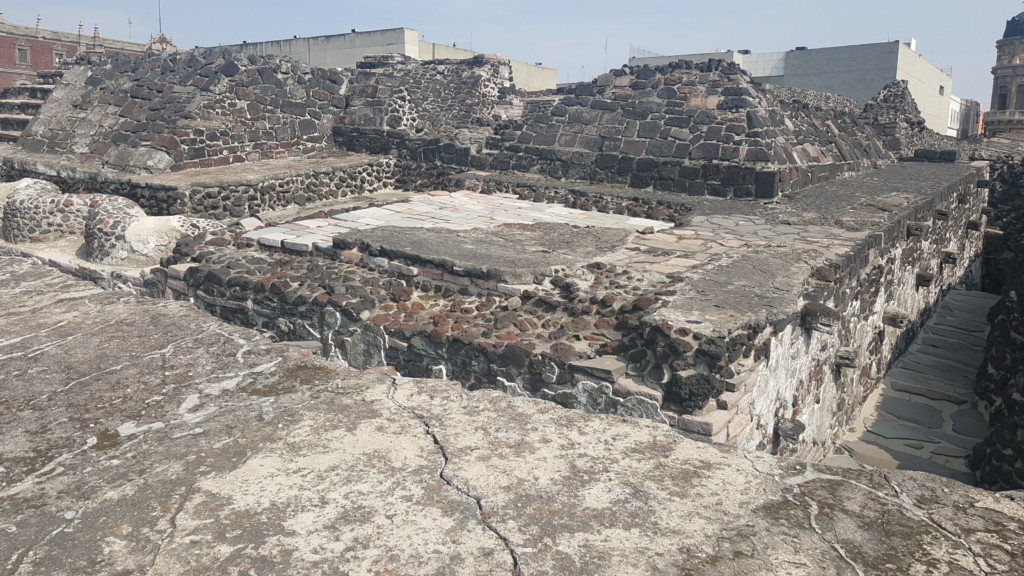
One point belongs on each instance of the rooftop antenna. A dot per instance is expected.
(129, 28)
(160, 17)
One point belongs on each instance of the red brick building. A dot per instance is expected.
(25, 50)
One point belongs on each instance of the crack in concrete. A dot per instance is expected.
(173, 521)
(925, 515)
(813, 514)
(19, 558)
(516, 569)
(902, 500)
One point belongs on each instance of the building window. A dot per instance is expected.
(58, 58)
(1004, 98)
(942, 90)
(21, 55)
(1018, 101)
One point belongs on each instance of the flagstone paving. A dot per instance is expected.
(923, 417)
(454, 210)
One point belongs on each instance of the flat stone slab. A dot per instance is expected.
(897, 431)
(913, 412)
(511, 253)
(969, 422)
(145, 437)
(609, 368)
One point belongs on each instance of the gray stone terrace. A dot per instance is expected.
(145, 437)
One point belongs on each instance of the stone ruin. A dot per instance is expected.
(738, 262)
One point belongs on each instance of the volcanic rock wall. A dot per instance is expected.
(196, 109)
(694, 129)
(999, 460)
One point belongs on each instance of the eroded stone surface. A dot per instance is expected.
(143, 436)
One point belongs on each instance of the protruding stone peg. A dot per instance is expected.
(924, 279)
(941, 214)
(896, 318)
(819, 318)
(975, 225)
(917, 229)
(950, 256)
(847, 358)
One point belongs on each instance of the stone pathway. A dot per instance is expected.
(454, 210)
(923, 416)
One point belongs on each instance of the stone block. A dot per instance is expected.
(375, 261)
(766, 184)
(661, 148)
(896, 318)
(649, 129)
(847, 358)
(177, 271)
(706, 425)
(634, 147)
(734, 400)
(818, 317)
(609, 368)
(917, 229)
(924, 279)
(706, 151)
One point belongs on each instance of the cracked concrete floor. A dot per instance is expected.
(144, 437)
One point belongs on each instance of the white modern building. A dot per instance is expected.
(345, 50)
(857, 71)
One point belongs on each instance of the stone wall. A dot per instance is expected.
(114, 229)
(236, 199)
(37, 211)
(694, 129)
(998, 461)
(794, 383)
(437, 112)
(697, 130)
(232, 196)
(603, 338)
(195, 109)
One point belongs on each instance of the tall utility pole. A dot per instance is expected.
(160, 17)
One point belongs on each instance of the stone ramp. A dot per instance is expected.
(923, 417)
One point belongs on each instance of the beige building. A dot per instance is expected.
(1006, 115)
(345, 50)
(858, 72)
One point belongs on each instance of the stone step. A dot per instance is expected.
(20, 107)
(14, 122)
(31, 92)
(9, 136)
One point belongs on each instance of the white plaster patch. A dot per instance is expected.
(129, 428)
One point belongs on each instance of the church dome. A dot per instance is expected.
(1015, 27)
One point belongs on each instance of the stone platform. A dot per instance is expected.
(460, 210)
(923, 417)
(145, 437)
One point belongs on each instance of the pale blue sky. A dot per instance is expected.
(571, 35)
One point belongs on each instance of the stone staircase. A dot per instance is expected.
(19, 104)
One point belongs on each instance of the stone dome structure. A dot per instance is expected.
(1014, 27)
